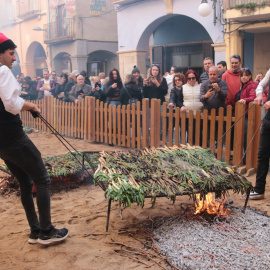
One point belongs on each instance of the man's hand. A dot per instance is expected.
(215, 85)
(171, 104)
(114, 85)
(209, 93)
(76, 101)
(267, 105)
(28, 106)
(259, 99)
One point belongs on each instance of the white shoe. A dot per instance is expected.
(256, 196)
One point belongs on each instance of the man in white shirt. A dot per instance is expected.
(264, 145)
(46, 86)
(19, 153)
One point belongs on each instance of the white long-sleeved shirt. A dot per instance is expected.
(10, 91)
(263, 83)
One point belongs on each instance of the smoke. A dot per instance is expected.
(7, 15)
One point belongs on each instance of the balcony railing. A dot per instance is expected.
(228, 4)
(59, 31)
(28, 8)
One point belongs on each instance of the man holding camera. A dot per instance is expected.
(213, 91)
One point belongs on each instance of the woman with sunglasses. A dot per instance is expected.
(155, 86)
(191, 92)
(191, 96)
(176, 95)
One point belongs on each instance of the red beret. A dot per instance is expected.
(6, 43)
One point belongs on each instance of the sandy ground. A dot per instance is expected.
(84, 214)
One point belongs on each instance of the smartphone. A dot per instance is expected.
(210, 87)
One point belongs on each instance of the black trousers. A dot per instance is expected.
(25, 163)
(263, 157)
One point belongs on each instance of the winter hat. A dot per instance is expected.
(75, 73)
(6, 43)
(135, 69)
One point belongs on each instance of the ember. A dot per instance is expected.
(192, 242)
(210, 205)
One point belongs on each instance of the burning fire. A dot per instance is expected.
(2, 182)
(210, 205)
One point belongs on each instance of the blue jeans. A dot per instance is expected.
(25, 163)
(115, 103)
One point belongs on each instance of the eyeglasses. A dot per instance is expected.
(236, 56)
(177, 80)
(191, 78)
(155, 65)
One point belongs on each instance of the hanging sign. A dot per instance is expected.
(97, 7)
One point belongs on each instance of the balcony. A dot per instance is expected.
(247, 10)
(28, 8)
(59, 31)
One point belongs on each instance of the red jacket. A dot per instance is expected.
(248, 92)
(234, 85)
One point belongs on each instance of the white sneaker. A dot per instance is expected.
(256, 196)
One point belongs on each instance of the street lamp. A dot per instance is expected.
(37, 28)
(205, 9)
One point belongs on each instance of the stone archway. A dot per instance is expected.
(36, 59)
(101, 61)
(62, 63)
(134, 35)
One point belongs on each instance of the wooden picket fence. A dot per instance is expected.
(133, 128)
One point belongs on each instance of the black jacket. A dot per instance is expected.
(112, 93)
(130, 90)
(69, 85)
(98, 94)
(60, 88)
(152, 91)
(176, 97)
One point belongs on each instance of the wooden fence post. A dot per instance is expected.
(155, 122)
(257, 136)
(212, 134)
(239, 131)
(145, 123)
(220, 133)
(92, 118)
(250, 133)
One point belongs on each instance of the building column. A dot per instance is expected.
(129, 59)
(220, 52)
(79, 62)
(234, 44)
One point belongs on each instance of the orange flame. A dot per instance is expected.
(210, 205)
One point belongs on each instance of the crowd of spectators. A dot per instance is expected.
(216, 87)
